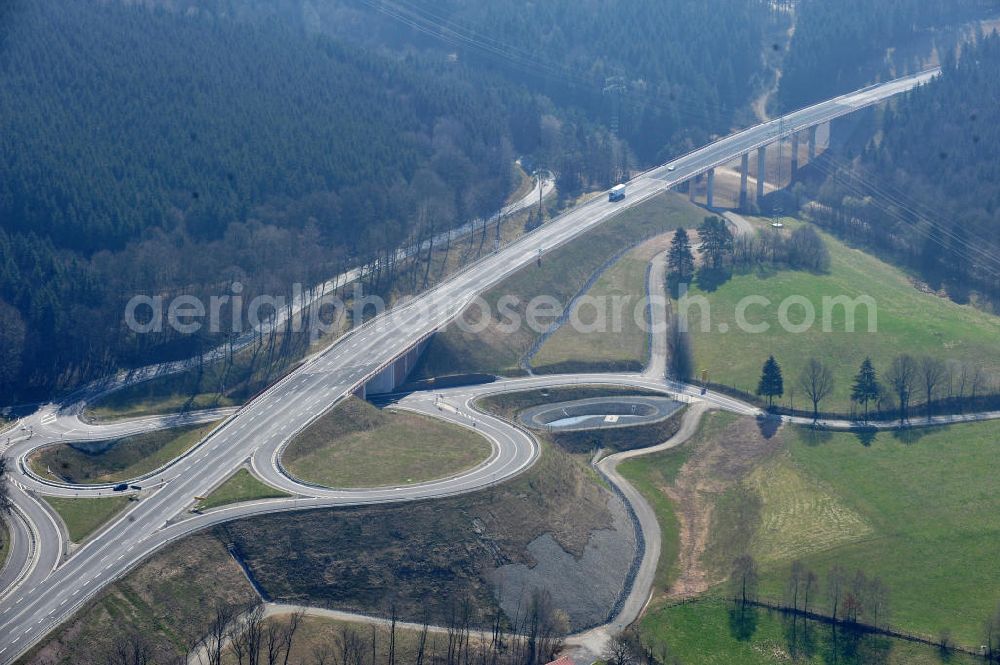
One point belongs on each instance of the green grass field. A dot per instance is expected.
(84, 516)
(241, 486)
(907, 320)
(614, 346)
(119, 460)
(926, 519)
(920, 510)
(561, 275)
(708, 632)
(358, 445)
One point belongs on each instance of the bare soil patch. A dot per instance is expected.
(716, 516)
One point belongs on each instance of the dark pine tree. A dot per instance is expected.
(771, 383)
(680, 259)
(865, 388)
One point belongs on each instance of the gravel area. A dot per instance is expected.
(586, 588)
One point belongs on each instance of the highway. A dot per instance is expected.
(543, 188)
(259, 430)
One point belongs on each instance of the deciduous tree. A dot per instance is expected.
(816, 382)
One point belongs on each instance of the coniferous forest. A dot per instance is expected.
(175, 147)
(841, 46)
(927, 192)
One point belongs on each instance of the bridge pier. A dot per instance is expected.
(761, 172)
(395, 373)
(692, 184)
(744, 175)
(710, 193)
(812, 143)
(795, 155)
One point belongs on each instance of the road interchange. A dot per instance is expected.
(47, 588)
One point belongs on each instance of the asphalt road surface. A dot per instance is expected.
(44, 598)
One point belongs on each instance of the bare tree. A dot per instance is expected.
(743, 580)
(977, 382)
(392, 635)
(350, 646)
(816, 381)
(991, 637)
(288, 634)
(213, 643)
(548, 627)
(877, 603)
(618, 651)
(835, 581)
(810, 583)
(130, 649)
(321, 655)
(932, 373)
(273, 642)
(422, 644)
(795, 579)
(247, 634)
(902, 377)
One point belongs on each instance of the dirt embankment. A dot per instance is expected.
(717, 514)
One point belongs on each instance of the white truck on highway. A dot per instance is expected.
(617, 193)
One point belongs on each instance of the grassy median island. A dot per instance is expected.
(359, 445)
(426, 557)
(5, 532)
(606, 349)
(562, 274)
(83, 517)
(116, 460)
(908, 319)
(239, 487)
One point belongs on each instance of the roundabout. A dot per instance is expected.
(600, 413)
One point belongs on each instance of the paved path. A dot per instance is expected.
(659, 306)
(260, 429)
(589, 645)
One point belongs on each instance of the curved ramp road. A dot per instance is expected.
(261, 428)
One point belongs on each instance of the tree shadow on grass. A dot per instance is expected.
(815, 436)
(742, 621)
(678, 286)
(768, 425)
(911, 435)
(800, 638)
(710, 279)
(866, 436)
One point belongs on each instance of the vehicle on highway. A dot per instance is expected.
(671, 167)
(120, 487)
(617, 193)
